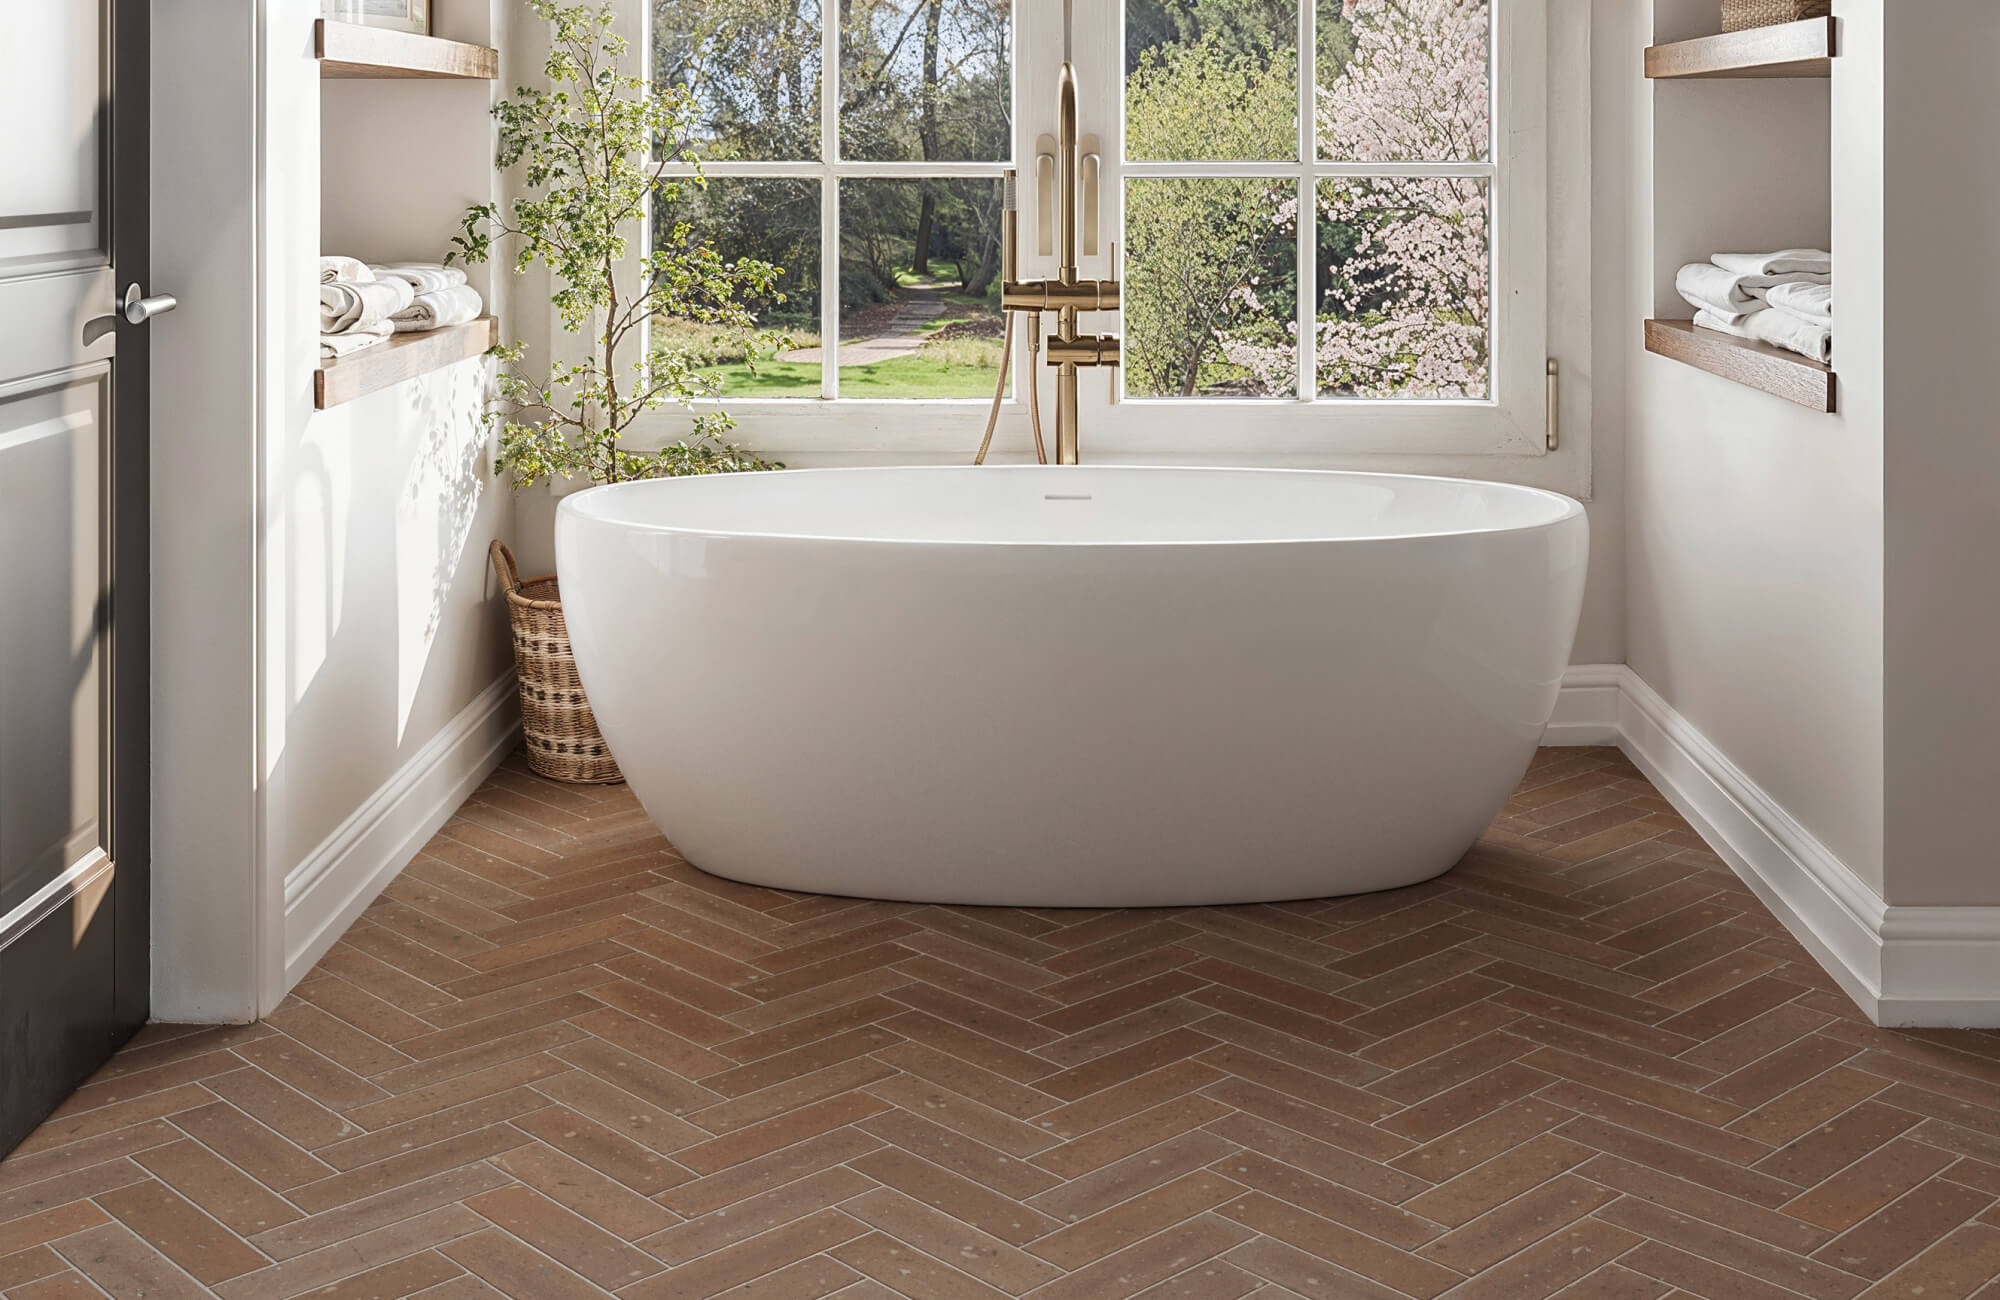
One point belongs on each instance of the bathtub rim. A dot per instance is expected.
(577, 505)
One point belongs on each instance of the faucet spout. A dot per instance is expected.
(1066, 318)
(1068, 295)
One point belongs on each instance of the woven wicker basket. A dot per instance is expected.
(1740, 14)
(563, 741)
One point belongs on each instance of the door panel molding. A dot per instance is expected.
(74, 516)
(31, 220)
(89, 875)
(56, 447)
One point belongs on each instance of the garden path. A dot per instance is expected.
(901, 335)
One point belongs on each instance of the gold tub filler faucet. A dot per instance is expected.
(1066, 295)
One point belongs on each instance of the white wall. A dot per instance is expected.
(330, 651)
(1814, 595)
(1941, 449)
(1753, 565)
(208, 919)
(381, 617)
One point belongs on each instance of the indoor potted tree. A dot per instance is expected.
(594, 146)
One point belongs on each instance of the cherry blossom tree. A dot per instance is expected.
(1404, 272)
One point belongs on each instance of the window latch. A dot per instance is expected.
(1552, 416)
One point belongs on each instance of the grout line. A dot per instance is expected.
(283, 1194)
(1247, 933)
(90, 1281)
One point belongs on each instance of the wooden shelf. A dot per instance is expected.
(351, 50)
(405, 356)
(1744, 361)
(1801, 49)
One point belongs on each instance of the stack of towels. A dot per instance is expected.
(1784, 298)
(362, 305)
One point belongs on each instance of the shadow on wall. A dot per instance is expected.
(390, 622)
(450, 474)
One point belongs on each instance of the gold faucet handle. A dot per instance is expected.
(1085, 350)
(1054, 295)
(1114, 387)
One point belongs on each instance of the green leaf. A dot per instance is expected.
(585, 147)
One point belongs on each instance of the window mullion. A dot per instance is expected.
(829, 201)
(1307, 233)
(1308, 306)
(736, 167)
(1308, 81)
(919, 170)
(1452, 170)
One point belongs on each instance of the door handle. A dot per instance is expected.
(139, 309)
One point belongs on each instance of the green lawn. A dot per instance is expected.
(908, 279)
(936, 323)
(913, 376)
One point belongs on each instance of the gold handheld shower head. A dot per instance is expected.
(1010, 227)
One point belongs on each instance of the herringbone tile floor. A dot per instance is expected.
(554, 1060)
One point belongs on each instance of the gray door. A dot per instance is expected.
(73, 614)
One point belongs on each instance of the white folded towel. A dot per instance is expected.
(1777, 328)
(1723, 319)
(1704, 284)
(1715, 320)
(343, 268)
(429, 311)
(1808, 302)
(424, 277)
(354, 340)
(1784, 330)
(1816, 260)
(345, 305)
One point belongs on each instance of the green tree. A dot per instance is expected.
(751, 69)
(593, 146)
(1210, 259)
(920, 80)
(1254, 27)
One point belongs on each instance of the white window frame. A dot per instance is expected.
(1511, 423)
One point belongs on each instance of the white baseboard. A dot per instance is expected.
(1904, 966)
(337, 880)
(1587, 707)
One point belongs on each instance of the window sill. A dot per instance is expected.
(1137, 431)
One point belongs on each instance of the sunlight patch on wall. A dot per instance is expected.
(434, 517)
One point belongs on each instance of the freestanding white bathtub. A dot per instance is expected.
(1072, 687)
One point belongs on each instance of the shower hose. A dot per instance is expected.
(1000, 387)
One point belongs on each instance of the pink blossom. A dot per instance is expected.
(1405, 312)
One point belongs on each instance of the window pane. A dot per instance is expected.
(753, 69)
(1211, 80)
(1404, 80)
(926, 80)
(1211, 288)
(919, 288)
(1404, 272)
(775, 221)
